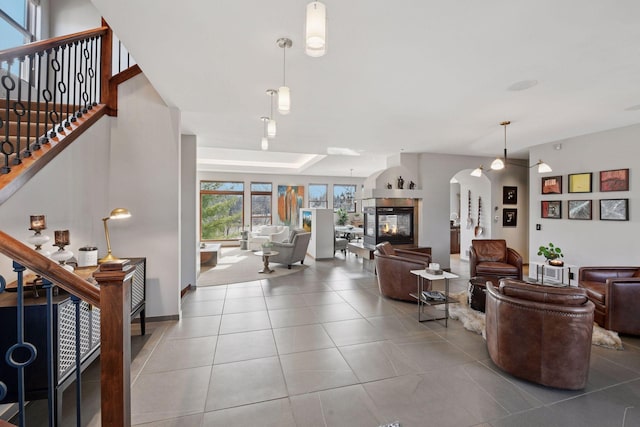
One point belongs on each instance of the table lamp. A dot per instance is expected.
(118, 213)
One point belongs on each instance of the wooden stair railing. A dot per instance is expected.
(113, 298)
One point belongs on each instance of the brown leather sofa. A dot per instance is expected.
(393, 267)
(540, 333)
(492, 257)
(615, 291)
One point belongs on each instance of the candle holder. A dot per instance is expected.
(37, 224)
(62, 255)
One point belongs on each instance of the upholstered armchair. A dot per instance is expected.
(393, 268)
(267, 233)
(293, 250)
(540, 333)
(492, 257)
(339, 244)
(615, 291)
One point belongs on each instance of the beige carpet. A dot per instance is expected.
(474, 321)
(236, 266)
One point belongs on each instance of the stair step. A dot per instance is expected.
(24, 126)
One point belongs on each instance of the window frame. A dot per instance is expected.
(326, 196)
(222, 192)
(260, 193)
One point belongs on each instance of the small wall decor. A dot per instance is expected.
(580, 182)
(306, 221)
(614, 180)
(509, 217)
(510, 195)
(389, 186)
(552, 185)
(412, 185)
(614, 209)
(580, 209)
(551, 209)
(400, 183)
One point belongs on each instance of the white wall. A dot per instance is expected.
(145, 178)
(592, 242)
(435, 172)
(71, 191)
(188, 213)
(71, 16)
(279, 180)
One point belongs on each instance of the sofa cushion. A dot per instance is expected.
(544, 294)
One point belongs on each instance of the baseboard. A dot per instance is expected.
(163, 318)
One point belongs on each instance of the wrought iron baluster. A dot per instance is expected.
(119, 55)
(46, 94)
(42, 139)
(77, 84)
(62, 88)
(21, 344)
(27, 151)
(53, 114)
(76, 303)
(67, 123)
(7, 148)
(48, 287)
(85, 93)
(19, 111)
(91, 74)
(3, 386)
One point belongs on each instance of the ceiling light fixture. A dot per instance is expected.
(477, 172)
(265, 141)
(499, 163)
(542, 167)
(284, 94)
(271, 124)
(316, 29)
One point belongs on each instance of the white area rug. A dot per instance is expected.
(236, 266)
(474, 321)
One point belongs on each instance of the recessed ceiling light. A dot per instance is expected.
(633, 108)
(522, 85)
(342, 151)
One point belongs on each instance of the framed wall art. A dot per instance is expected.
(552, 185)
(551, 209)
(580, 182)
(510, 195)
(614, 180)
(509, 217)
(580, 209)
(290, 199)
(614, 209)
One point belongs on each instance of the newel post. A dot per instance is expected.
(107, 96)
(115, 342)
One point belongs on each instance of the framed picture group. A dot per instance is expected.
(609, 209)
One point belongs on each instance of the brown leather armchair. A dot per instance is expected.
(393, 267)
(492, 257)
(615, 291)
(540, 333)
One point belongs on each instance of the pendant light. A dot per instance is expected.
(264, 143)
(284, 94)
(271, 124)
(477, 172)
(316, 29)
(499, 163)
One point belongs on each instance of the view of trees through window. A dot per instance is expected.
(261, 194)
(221, 209)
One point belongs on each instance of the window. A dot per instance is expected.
(17, 25)
(221, 208)
(261, 197)
(344, 196)
(318, 196)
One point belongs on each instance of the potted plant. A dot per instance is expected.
(266, 247)
(343, 216)
(552, 254)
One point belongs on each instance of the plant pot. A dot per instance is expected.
(556, 262)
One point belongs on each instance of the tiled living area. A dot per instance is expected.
(321, 347)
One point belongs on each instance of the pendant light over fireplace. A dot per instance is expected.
(271, 123)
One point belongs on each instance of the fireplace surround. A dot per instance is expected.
(390, 220)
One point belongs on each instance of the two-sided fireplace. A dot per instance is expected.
(386, 221)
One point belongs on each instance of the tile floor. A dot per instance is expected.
(322, 348)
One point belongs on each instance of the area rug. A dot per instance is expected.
(236, 266)
(474, 321)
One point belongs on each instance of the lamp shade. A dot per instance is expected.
(477, 172)
(265, 143)
(316, 29)
(284, 100)
(271, 128)
(543, 167)
(497, 164)
(118, 213)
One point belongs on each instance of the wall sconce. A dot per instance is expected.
(118, 213)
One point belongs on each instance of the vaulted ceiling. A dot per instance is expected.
(415, 76)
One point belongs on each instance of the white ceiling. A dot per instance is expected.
(402, 75)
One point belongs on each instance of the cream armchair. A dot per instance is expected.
(265, 233)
